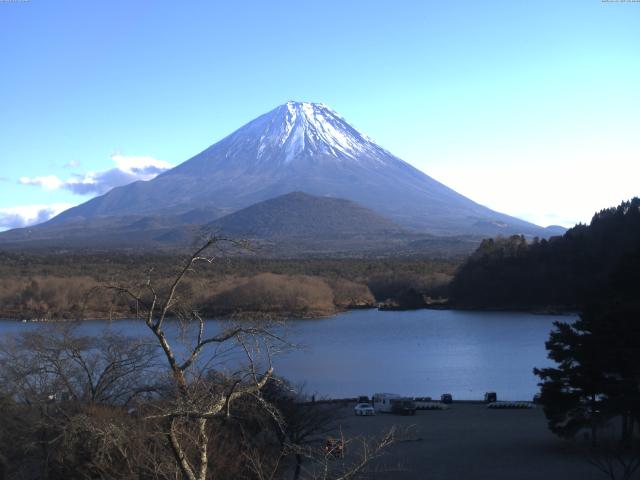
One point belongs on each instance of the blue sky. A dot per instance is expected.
(528, 107)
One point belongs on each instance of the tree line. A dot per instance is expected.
(55, 286)
(560, 273)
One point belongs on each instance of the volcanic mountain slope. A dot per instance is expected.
(298, 224)
(293, 225)
(301, 147)
(300, 215)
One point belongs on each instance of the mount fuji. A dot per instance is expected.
(297, 147)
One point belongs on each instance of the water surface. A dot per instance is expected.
(417, 353)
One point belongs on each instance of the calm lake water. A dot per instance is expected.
(416, 353)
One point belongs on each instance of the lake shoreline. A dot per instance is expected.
(412, 353)
(316, 315)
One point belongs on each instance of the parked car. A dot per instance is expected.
(364, 409)
(490, 397)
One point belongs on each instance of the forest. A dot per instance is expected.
(558, 274)
(562, 273)
(62, 285)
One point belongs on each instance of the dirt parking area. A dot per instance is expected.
(472, 442)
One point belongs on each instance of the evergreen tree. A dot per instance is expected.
(597, 377)
(572, 393)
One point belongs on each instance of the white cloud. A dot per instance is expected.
(25, 215)
(146, 167)
(50, 182)
(72, 164)
(128, 169)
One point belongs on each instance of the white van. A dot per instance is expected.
(382, 401)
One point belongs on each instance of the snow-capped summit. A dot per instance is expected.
(313, 128)
(302, 131)
(303, 147)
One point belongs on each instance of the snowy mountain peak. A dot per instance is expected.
(301, 147)
(310, 111)
(303, 131)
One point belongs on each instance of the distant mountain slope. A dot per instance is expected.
(308, 148)
(564, 272)
(302, 215)
(130, 231)
(292, 225)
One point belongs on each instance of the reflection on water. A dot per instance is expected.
(417, 353)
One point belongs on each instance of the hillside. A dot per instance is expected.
(300, 215)
(292, 225)
(562, 273)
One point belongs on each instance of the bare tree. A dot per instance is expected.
(52, 379)
(347, 459)
(307, 427)
(203, 395)
(57, 363)
(112, 444)
(187, 420)
(304, 424)
(348, 465)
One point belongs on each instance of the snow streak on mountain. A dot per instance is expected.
(298, 133)
(312, 129)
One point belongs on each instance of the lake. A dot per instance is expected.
(416, 353)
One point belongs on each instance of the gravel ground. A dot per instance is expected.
(472, 442)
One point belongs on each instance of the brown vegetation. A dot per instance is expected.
(56, 286)
(271, 293)
(53, 298)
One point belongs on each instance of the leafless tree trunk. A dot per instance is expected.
(186, 421)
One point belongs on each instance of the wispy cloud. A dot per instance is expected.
(25, 215)
(128, 169)
(50, 182)
(72, 164)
